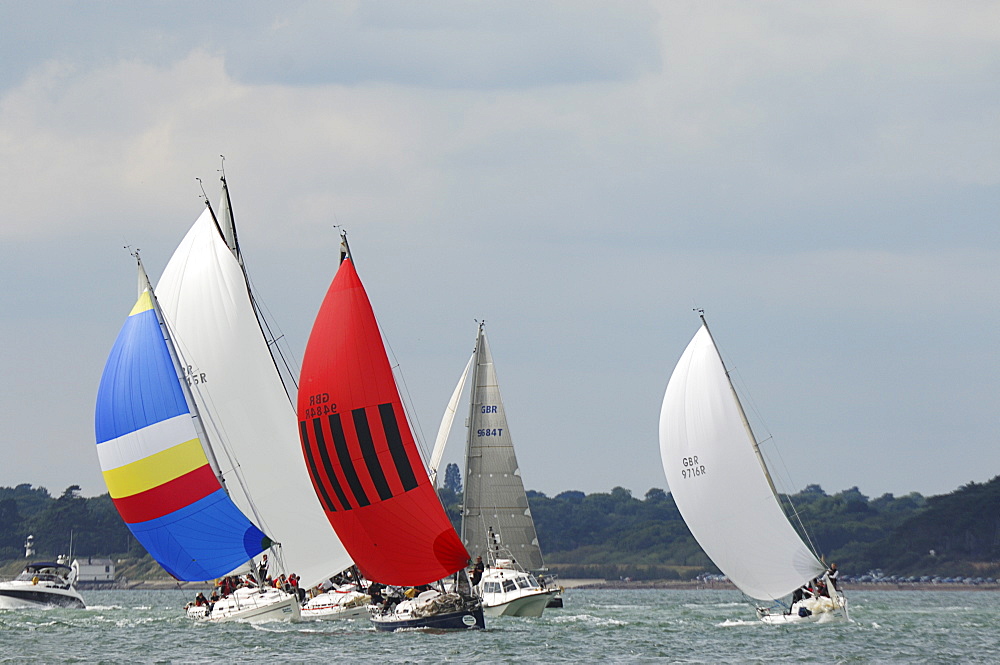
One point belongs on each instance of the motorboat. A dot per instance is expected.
(507, 589)
(42, 584)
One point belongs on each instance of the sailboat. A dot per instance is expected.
(724, 492)
(366, 468)
(161, 470)
(234, 371)
(496, 519)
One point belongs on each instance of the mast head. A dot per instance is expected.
(345, 249)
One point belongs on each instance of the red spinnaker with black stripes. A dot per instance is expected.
(360, 452)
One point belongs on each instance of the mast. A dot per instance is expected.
(468, 430)
(345, 249)
(227, 229)
(179, 368)
(739, 406)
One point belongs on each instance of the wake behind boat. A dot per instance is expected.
(724, 492)
(41, 584)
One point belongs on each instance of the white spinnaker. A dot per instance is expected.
(204, 297)
(447, 421)
(718, 484)
(494, 492)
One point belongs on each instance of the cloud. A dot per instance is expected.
(447, 44)
(821, 179)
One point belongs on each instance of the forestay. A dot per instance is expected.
(720, 485)
(204, 295)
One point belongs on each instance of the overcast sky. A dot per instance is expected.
(822, 178)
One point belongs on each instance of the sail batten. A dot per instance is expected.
(718, 482)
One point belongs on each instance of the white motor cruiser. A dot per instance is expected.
(41, 584)
(507, 590)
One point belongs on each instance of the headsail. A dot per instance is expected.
(206, 301)
(154, 463)
(359, 449)
(494, 499)
(447, 420)
(719, 484)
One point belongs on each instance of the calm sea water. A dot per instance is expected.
(615, 626)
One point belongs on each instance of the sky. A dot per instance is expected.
(823, 179)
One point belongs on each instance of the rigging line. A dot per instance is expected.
(405, 397)
(222, 438)
(207, 417)
(269, 325)
(773, 452)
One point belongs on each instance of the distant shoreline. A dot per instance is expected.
(583, 583)
(694, 585)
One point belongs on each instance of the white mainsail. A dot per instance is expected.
(205, 299)
(720, 484)
(494, 492)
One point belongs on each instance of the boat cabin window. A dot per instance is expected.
(508, 585)
(491, 587)
(523, 582)
(42, 577)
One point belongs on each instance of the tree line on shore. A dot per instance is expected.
(612, 534)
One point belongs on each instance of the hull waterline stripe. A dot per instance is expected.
(399, 456)
(324, 455)
(363, 430)
(344, 457)
(313, 471)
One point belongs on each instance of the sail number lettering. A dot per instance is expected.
(496, 431)
(320, 405)
(691, 467)
(488, 408)
(193, 376)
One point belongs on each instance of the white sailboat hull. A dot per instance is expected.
(251, 606)
(337, 605)
(820, 610)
